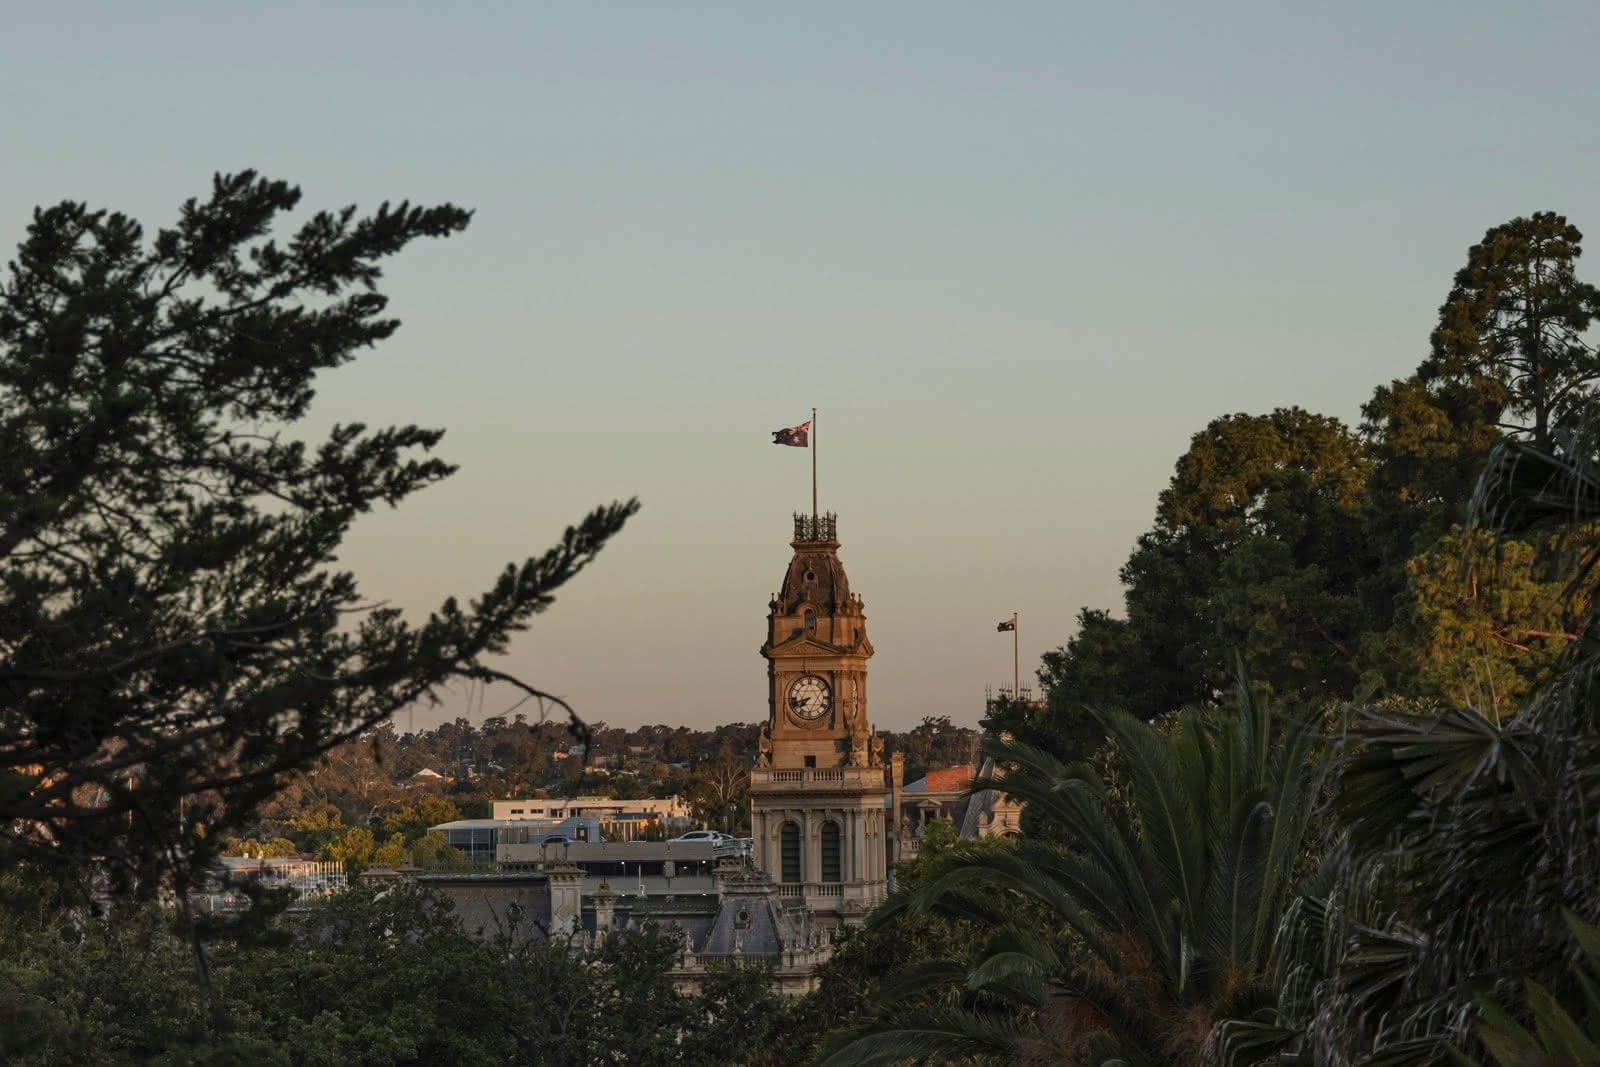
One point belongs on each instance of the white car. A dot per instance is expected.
(705, 837)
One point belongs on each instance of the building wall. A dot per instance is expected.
(517, 903)
(603, 808)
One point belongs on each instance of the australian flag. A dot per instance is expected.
(797, 436)
(1009, 624)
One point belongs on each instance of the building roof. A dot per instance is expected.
(750, 918)
(948, 780)
(476, 824)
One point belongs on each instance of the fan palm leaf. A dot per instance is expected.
(1158, 915)
(1437, 929)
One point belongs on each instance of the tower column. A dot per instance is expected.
(849, 871)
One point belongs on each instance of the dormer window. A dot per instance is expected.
(811, 621)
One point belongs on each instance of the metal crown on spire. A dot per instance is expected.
(816, 527)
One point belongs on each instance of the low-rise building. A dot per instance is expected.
(725, 907)
(943, 795)
(621, 820)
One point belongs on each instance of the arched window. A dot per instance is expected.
(811, 621)
(831, 853)
(789, 840)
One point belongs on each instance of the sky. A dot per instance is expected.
(1014, 254)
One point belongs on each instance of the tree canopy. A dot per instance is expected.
(1256, 553)
(1330, 560)
(1440, 907)
(1513, 329)
(177, 637)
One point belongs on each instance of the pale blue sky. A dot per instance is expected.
(1016, 254)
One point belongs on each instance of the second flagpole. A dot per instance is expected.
(814, 525)
(1016, 673)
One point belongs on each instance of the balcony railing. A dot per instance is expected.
(810, 890)
(801, 775)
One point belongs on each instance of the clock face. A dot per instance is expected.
(810, 697)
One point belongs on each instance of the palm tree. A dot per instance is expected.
(1141, 914)
(1467, 867)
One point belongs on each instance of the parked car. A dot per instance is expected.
(721, 844)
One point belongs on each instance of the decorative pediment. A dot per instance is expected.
(802, 644)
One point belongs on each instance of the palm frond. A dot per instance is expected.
(1524, 489)
(921, 977)
(941, 1033)
(1240, 1042)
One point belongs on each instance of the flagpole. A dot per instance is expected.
(814, 525)
(1016, 675)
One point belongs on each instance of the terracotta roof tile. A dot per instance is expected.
(949, 779)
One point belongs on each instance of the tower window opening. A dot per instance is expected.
(830, 852)
(789, 843)
(811, 761)
(811, 620)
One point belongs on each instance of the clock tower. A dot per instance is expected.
(817, 792)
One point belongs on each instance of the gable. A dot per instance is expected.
(803, 643)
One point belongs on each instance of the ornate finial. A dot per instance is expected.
(816, 527)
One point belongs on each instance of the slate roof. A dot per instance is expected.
(751, 918)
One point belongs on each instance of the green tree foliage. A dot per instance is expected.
(121, 990)
(1511, 355)
(859, 986)
(434, 850)
(1264, 512)
(379, 977)
(176, 642)
(259, 849)
(353, 848)
(738, 1017)
(1513, 329)
(1257, 553)
(1494, 823)
(1488, 623)
(412, 820)
(370, 977)
(1447, 882)
(1156, 922)
(1462, 883)
(717, 791)
(1067, 730)
(1428, 446)
(392, 853)
(1559, 1037)
(314, 827)
(1326, 560)
(934, 743)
